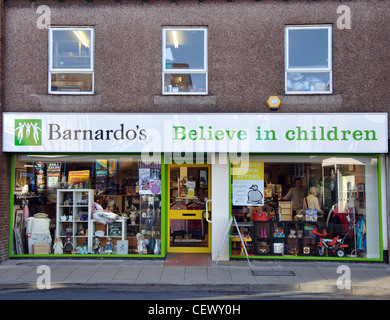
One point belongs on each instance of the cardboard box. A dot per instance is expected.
(286, 217)
(41, 248)
(285, 211)
(285, 206)
(311, 215)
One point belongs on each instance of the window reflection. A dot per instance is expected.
(185, 61)
(192, 82)
(308, 59)
(76, 82)
(308, 81)
(308, 48)
(71, 60)
(184, 49)
(71, 49)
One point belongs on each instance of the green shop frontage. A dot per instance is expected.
(299, 186)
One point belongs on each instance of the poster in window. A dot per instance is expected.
(40, 179)
(78, 176)
(149, 179)
(122, 247)
(101, 164)
(20, 179)
(248, 183)
(101, 176)
(53, 175)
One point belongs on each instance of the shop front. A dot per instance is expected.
(300, 186)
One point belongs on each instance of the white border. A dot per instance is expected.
(309, 70)
(159, 132)
(52, 70)
(203, 71)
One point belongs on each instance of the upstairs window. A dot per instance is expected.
(184, 59)
(71, 68)
(308, 60)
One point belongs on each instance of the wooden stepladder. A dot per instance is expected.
(233, 221)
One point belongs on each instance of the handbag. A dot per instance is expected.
(260, 216)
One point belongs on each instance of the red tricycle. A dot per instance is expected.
(335, 245)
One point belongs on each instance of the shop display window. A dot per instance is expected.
(184, 61)
(308, 59)
(307, 206)
(71, 60)
(71, 204)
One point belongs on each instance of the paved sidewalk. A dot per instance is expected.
(366, 279)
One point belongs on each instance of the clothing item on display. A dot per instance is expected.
(149, 224)
(339, 223)
(38, 231)
(25, 212)
(361, 233)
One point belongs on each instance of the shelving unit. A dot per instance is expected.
(74, 218)
(247, 234)
(150, 218)
(116, 230)
(74, 211)
(147, 207)
(290, 234)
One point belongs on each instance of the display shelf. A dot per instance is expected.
(147, 220)
(121, 233)
(74, 211)
(247, 232)
(284, 237)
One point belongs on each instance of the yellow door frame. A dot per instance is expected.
(183, 214)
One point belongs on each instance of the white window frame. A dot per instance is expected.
(185, 71)
(71, 70)
(328, 69)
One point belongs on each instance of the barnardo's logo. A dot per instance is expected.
(28, 132)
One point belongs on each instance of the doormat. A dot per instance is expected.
(187, 259)
(273, 273)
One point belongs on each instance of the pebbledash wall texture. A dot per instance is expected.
(245, 59)
(4, 158)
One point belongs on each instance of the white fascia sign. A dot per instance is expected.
(200, 133)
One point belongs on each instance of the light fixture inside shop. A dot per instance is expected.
(175, 40)
(82, 38)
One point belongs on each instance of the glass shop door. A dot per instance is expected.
(189, 226)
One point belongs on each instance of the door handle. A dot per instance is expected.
(207, 211)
